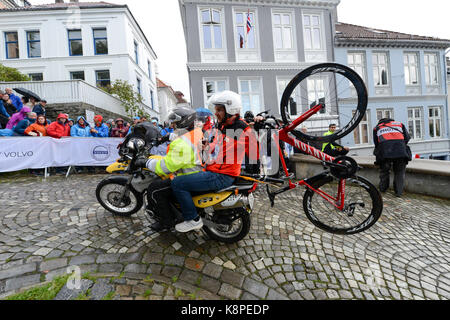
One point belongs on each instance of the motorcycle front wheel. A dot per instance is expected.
(229, 232)
(109, 193)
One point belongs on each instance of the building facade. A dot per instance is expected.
(285, 37)
(13, 3)
(95, 42)
(166, 99)
(406, 80)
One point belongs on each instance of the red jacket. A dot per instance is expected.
(58, 130)
(233, 138)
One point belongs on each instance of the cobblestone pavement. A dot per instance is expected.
(46, 226)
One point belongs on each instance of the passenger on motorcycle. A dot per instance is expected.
(183, 158)
(222, 171)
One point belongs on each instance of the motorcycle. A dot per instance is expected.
(226, 213)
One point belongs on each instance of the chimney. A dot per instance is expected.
(75, 1)
(59, 1)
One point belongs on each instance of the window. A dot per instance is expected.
(212, 86)
(434, 118)
(34, 44)
(415, 123)
(211, 28)
(361, 133)
(316, 91)
(152, 100)
(312, 32)
(380, 69)
(102, 78)
(411, 62)
(385, 114)
(12, 45)
(149, 66)
(36, 76)
(100, 41)
(283, 30)
(431, 69)
(77, 75)
(295, 106)
(138, 85)
(245, 21)
(136, 52)
(357, 61)
(75, 43)
(251, 94)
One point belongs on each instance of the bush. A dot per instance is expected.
(11, 74)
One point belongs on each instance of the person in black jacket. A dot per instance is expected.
(391, 150)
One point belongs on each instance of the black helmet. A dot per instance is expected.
(184, 118)
(249, 116)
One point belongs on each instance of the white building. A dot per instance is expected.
(96, 42)
(166, 99)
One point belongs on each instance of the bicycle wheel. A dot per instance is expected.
(339, 87)
(363, 206)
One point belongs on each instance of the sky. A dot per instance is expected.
(161, 22)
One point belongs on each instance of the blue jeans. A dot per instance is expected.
(182, 187)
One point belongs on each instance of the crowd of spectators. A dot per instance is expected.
(26, 117)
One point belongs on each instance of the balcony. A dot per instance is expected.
(75, 91)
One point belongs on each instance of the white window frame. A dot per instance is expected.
(250, 93)
(428, 68)
(310, 28)
(432, 121)
(222, 28)
(280, 92)
(363, 63)
(410, 65)
(283, 26)
(215, 80)
(412, 131)
(359, 131)
(384, 111)
(377, 68)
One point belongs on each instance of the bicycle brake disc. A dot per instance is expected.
(347, 168)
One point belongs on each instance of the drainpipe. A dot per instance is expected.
(446, 94)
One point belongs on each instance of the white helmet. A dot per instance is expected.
(231, 100)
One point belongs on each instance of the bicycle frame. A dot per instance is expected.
(282, 134)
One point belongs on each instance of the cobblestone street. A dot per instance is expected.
(48, 225)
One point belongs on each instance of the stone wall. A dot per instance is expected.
(427, 177)
(77, 109)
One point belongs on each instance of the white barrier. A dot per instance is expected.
(19, 153)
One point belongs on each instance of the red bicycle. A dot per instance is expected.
(337, 200)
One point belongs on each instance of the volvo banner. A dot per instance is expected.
(18, 153)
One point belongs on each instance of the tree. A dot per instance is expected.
(11, 74)
(131, 100)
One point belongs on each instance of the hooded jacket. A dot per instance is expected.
(81, 131)
(17, 117)
(120, 131)
(16, 101)
(391, 139)
(58, 130)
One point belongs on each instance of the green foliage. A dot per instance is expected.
(11, 74)
(131, 100)
(47, 292)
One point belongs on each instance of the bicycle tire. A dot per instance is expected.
(369, 221)
(346, 72)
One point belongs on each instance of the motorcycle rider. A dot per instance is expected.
(183, 158)
(221, 172)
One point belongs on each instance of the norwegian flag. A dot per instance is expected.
(249, 22)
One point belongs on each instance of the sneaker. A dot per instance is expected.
(190, 225)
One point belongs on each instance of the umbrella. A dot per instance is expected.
(27, 93)
(203, 112)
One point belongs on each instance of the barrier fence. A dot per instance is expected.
(19, 153)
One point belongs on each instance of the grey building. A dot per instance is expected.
(286, 36)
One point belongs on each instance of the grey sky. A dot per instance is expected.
(161, 22)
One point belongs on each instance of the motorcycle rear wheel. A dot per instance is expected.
(108, 192)
(225, 234)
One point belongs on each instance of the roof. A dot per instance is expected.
(349, 32)
(81, 5)
(161, 84)
(64, 5)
